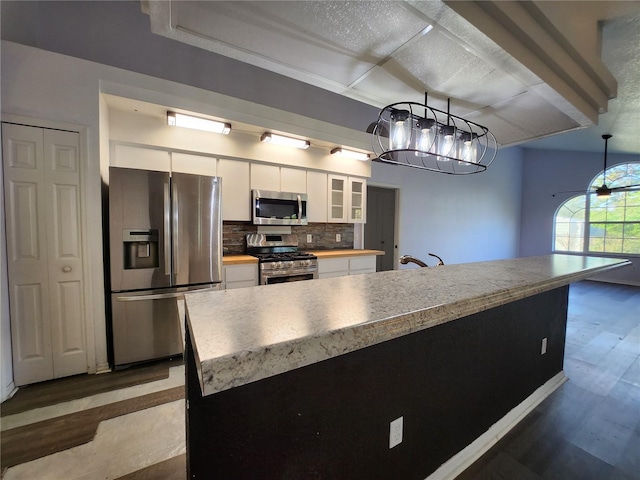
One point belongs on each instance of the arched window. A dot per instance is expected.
(592, 224)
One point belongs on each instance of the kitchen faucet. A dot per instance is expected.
(408, 258)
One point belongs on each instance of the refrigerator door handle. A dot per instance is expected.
(155, 296)
(160, 296)
(175, 231)
(167, 231)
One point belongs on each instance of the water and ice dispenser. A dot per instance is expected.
(140, 248)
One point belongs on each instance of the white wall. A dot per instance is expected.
(545, 174)
(462, 219)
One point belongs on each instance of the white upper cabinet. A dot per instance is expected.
(316, 197)
(139, 157)
(265, 177)
(337, 198)
(357, 200)
(236, 190)
(346, 199)
(293, 180)
(278, 179)
(194, 164)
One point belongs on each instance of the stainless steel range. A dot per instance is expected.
(280, 260)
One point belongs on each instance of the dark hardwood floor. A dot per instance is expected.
(590, 427)
(78, 386)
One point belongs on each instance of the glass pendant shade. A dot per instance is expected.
(399, 130)
(425, 136)
(468, 148)
(446, 143)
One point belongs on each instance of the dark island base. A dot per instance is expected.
(330, 420)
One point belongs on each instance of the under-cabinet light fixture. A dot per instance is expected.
(344, 152)
(188, 121)
(286, 141)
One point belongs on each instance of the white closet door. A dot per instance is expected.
(43, 249)
(62, 197)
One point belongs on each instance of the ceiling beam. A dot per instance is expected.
(524, 32)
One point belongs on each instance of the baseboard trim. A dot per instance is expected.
(11, 389)
(466, 457)
(102, 368)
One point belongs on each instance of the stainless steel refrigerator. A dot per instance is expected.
(165, 238)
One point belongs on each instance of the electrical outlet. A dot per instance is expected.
(309, 238)
(395, 432)
(543, 350)
(338, 237)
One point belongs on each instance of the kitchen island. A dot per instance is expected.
(302, 380)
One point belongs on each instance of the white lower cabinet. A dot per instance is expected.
(240, 276)
(364, 264)
(333, 267)
(338, 267)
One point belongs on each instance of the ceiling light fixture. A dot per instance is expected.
(197, 123)
(416, 135)
(345, 152)
(282, 140)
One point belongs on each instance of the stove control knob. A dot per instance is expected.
(288, 265)
(277, 265)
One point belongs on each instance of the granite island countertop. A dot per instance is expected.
(244, 335)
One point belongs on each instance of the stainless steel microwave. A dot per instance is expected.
(278, 208)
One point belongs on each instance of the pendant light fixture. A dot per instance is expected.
(423, 137)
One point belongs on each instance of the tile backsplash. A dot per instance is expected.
(323, 236)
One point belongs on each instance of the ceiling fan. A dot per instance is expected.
(604, 190)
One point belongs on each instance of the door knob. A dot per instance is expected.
(66, 269)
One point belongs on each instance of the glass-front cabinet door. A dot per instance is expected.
(337, 196)
(357, 197)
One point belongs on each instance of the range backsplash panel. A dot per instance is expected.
(323, 236)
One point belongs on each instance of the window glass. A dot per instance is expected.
(589, 223)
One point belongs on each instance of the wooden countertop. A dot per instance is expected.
(238, 259)
(344, 253)
(244, 335)
(241, 259)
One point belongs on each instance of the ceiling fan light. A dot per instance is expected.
(276, 139)
(197, 123)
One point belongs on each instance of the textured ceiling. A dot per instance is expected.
(512, 66)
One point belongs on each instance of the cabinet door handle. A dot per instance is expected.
(66, 269)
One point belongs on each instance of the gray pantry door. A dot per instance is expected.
(379, 231)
